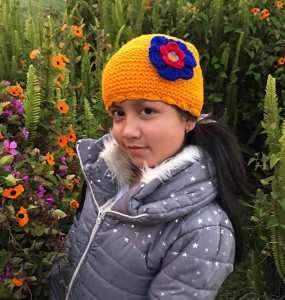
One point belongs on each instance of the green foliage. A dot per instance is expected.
(269, 208)
(32, 104)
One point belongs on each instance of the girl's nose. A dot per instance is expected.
(131, 128)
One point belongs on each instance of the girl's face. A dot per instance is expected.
(148, 131)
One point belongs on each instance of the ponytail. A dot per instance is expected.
(220, 144)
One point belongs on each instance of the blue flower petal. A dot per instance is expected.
(155, 58)
(169, 73)
(186, 73)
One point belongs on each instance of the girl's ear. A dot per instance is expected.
(189, 125)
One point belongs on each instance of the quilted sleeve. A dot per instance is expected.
(195, 266)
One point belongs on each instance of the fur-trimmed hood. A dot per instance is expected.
(176, 187)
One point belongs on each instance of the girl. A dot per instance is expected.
(159, 219)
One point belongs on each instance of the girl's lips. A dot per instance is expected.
(136, 149)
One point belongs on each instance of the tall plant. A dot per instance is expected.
(269, 208)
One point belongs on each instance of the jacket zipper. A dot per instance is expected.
(100, 217)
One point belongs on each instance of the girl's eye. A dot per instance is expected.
(147, 111)
(117, 114)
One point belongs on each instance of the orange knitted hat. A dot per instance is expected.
(155, 67)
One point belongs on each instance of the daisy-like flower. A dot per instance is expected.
(73, 204)
(13, 192)
(264, 14)
(22, 216)
(62, 141)
(50, 159)
(10, 147)
(35, 53)
(281, 61)
(58, 62)
(86, 46)
(71, 137)
(77, 31)
(70, 186)
(70, 151)
(171, 58)
(62, 107)
(255, 10)
(14, 91)
(17, 281)
(77, 181)
(60, 77)
(279, 4)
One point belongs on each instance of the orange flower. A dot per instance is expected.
(22, 217)
(1, 136)
(58, 84)
(77, 181)
(60, 45)
(14, 192)
(50, 159)
(19, 88)
(17, 281)
(35, 53)
(192, 9)
(60, 76)
(255, 10)
(279, 4)
(71, 129)
(77, 31)
(86, 46)
(73, 204)
(62, 107)
(70, 186)
(264, 14)
(62, 141)
(63, 27)
(281, 61)
(14, 91)
(57, 62)
(71, 137)
(64, 58)
(70, 151)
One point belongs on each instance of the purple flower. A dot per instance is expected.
(62, 172)
(19, 106)
(10, 147)
(25, 133)
(7, 113)
(62, 160)
(5, 82)
(50, 200)
(60, 189)
(25, 178)
(41, 191)
(16, 173)
(8, 168)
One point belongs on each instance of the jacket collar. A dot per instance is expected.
(124, 172)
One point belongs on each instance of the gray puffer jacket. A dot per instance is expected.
(165, 238)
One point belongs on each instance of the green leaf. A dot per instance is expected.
(274, 160)
(59, 213)
(6, 160)
(39, 230)
(282, 203)
(10, 180)
(272, 223)
(16, 260)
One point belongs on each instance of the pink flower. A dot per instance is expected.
(10, 147)
(25, 133)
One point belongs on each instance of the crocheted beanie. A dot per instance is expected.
(155, 67)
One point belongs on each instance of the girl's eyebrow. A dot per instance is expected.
(134, 103)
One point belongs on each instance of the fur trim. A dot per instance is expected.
(123, 170)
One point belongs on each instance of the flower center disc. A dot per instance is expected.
(173, 56)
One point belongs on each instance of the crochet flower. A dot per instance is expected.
(172, 58)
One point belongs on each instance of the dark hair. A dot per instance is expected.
(219, 143)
